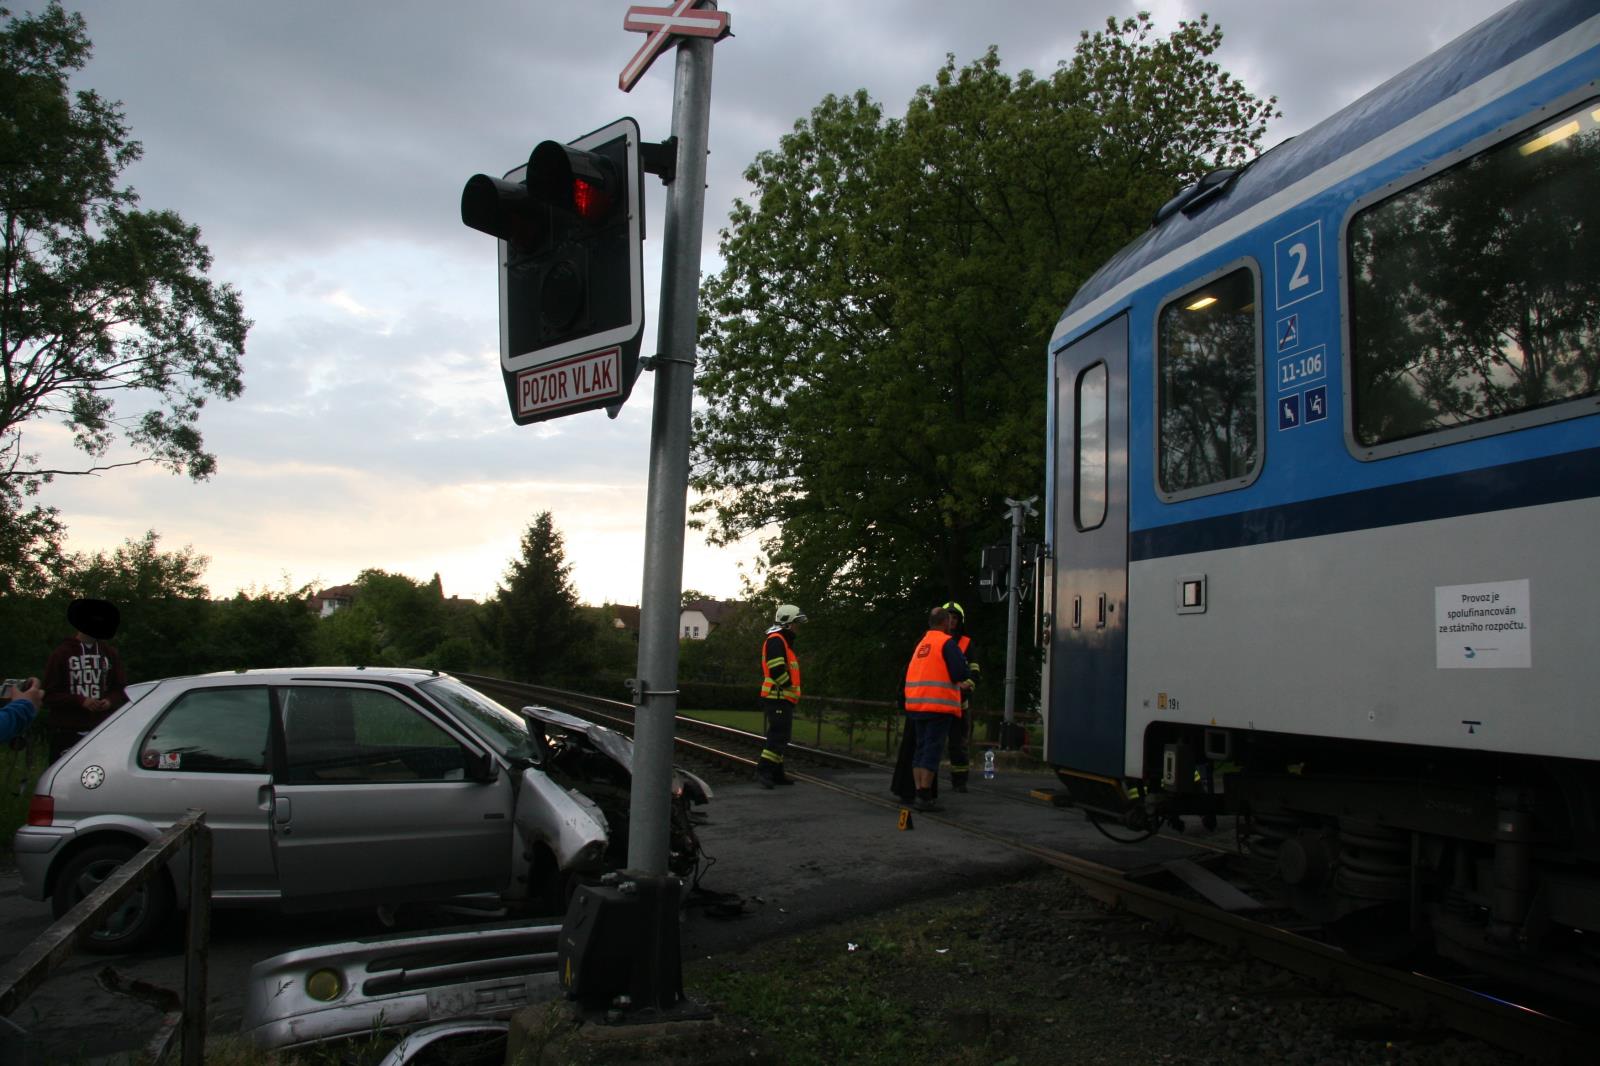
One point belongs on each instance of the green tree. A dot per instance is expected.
(261, 629)
(31, 550)
(533, 623)
(108, 321)
(616, 650)
(731, 652)
(874, 360)
(164, 604)
(392, 621)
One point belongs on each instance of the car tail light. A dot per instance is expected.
(41, 810)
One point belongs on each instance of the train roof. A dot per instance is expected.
(1494, 43)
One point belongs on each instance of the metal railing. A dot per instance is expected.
(20, 977)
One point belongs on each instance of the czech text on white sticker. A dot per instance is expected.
(1486, 626)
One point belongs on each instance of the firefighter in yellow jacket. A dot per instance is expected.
(936, 677)
(780, 691)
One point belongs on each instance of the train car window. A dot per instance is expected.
(1208, 382)
(1092, 415)
(1473, 294)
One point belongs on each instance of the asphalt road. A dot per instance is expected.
(784, 860)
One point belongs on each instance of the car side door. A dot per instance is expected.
(375, 800)
(209, 749)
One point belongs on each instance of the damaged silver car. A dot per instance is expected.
(335, 787)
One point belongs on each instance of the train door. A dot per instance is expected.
(1089, 639)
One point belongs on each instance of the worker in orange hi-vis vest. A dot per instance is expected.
(935, 680)
(780, 692)
(961, 730)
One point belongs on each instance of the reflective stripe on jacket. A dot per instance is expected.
(929, 687)
(780, 678)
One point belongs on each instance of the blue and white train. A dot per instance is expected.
(1324, 522)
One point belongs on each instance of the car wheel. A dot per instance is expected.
(135, 921)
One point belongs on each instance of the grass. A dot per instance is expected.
(19, 769)
(866, 992)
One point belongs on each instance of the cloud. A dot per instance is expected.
(321, 148)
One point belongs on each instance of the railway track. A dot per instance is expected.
(1425, 1000)
(695, 738)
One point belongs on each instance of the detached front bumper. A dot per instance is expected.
(355, 987)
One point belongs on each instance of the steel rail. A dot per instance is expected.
(619, 715)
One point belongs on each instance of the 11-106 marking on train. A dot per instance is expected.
(1302, 367)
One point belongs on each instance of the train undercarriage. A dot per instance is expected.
(1491, 862)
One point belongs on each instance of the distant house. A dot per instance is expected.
(332, 599)
(700, 617)
(624, 617)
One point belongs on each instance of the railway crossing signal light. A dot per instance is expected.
(570, 224)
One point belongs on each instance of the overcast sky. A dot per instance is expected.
(321, 148)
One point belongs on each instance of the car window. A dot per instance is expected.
(504, 730)
(210, 730)
(338, 735)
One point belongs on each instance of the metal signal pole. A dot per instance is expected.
(677, 339)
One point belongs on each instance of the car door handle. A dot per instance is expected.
(281, 812)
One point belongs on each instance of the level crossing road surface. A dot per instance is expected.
(785, 860)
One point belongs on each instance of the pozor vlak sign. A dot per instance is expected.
(570, 224)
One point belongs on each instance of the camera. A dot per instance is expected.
(13, 685)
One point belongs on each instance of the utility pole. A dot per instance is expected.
(677, 340)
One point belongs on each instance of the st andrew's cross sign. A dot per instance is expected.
(683, 18)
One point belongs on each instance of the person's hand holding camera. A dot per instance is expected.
(25, 688)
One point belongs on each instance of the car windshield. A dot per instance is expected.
(503, 730)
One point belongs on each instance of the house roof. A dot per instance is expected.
(716, 611)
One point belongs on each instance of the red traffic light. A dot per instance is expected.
(572, 278)
(584, 184)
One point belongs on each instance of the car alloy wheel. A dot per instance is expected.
(133, 922)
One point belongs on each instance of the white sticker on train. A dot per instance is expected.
(1485, 626)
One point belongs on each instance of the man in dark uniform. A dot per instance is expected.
(780, 692)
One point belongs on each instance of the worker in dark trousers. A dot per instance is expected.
(780, 692)
(901, 783)
(961, 728)
(935, 678)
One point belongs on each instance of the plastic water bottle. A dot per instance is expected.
(988, 765)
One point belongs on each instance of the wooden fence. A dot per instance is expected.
(21, 976)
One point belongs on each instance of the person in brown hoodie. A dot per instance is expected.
(83, 678)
